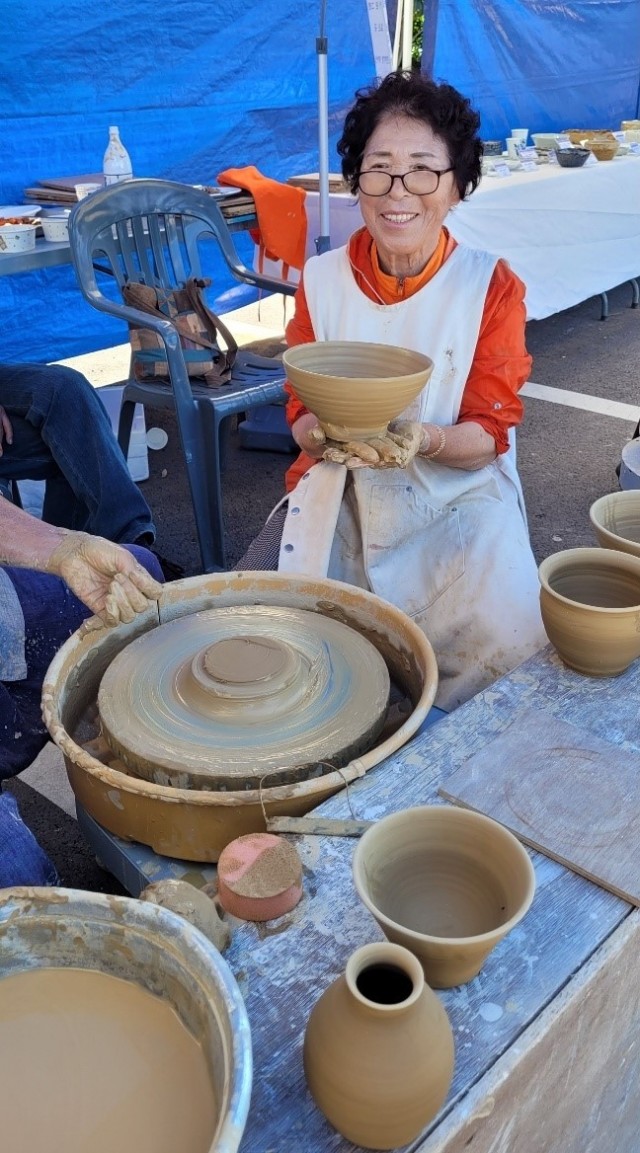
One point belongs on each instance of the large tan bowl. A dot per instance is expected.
(196, 824)
(590, 604)
(446, 883)
(355, 388)
(616, 521)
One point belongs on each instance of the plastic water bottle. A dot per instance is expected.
(117, 163)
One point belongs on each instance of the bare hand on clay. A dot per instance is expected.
(105, 576)
(396, 449)
(6, 430)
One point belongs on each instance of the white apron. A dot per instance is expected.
(448, 546)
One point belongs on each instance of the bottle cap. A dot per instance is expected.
(113, 128)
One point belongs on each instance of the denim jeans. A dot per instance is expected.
(22, 860)
(62, 435)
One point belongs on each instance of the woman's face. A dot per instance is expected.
(404, 226)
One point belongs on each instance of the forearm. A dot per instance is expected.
(465, 445)
(26, 542)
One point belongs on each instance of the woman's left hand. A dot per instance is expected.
(396, 449)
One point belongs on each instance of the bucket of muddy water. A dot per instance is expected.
(122, 1029)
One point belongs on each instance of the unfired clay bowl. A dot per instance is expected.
(355, 388)
(590, 604)
(446, 883)
(616, 521)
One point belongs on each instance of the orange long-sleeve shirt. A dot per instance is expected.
(501, 364)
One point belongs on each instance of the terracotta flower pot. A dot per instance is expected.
(590, 604)
(446, 883)
(616, 521)
(378, 1049)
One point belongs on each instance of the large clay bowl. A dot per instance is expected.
(196, 824)
(446, 883)
(139, 944)
(616, 521)
(355, 388)
(590, 604)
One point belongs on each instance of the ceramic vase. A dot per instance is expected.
(378, 1049)
(590, 604)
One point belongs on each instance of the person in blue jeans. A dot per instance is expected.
(51, 580)
(53, 427)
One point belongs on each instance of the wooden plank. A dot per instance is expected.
(564, 791)
(571, 1084)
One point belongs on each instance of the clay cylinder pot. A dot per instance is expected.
(615, 519)
(446, 883)
(590, 604)
(378, 1049)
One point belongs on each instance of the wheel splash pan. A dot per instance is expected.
(196, 825)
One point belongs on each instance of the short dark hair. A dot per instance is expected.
(442, 107)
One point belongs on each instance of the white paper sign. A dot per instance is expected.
(502, 169)
(529, 166)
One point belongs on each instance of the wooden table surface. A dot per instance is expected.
(544, 1035)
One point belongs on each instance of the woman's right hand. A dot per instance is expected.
(309, 435)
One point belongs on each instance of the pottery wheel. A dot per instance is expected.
(230, 698)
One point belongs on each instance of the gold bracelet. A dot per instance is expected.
(443, 441)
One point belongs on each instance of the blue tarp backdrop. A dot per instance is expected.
(538, 64)
(195, 87)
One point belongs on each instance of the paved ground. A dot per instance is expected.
(567, 455)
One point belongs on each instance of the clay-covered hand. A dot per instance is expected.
(396, 449)
(105, 576)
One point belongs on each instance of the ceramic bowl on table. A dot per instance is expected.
(579, 135)
(355, 388)
(590, 605)
(615, 519)
(17, 237)
(492, 147)
(572, 157)
(545, 141)
(602, 149)
(445, 882)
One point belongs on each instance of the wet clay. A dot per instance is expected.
(259, 877)
(91, 1062)
(230, 697)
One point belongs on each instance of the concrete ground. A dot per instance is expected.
(579, 413)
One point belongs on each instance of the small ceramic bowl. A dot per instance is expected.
(616, 521)
(602, 149)
(545, 141)
(590, 605)
(445, 882)
(355, 388)
(492, 147)
(572, 157)
(17, 237)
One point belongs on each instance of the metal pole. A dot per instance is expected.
(323, 241)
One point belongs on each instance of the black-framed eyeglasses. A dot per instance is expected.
(418, 182)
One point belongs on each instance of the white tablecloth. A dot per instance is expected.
(568, 233)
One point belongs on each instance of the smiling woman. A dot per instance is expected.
(443, 537)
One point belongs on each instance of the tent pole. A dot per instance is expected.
(323, 241)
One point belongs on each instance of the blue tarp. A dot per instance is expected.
(194, 87)
(538, 64)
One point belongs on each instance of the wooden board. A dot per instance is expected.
(311, 182)
(564, 791)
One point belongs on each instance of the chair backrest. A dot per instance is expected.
(149, 231)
